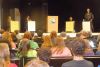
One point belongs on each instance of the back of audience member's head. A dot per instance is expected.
(89, 34)
(27, 35)
(24, 47)
(16, 31)
(39, 33)
(36, 63)
(44, 54)
(47, 42)
(53, 34)
(63, 34)
(1, 31)
(13, 36)
(6, 36)
(78, 47)
(98, 47)
(78, 34)
(32, 33)
(4, 54)
(83, 34)
(60, 42)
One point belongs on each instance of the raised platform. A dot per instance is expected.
(69, 34)
(72, 34)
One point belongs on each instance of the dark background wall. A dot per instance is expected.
(36, 9)
(40, 9)
(76, 9)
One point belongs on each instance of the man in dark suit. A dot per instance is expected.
(89, 17)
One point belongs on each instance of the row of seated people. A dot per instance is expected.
(5, 60)
(44, 54)
(58, 46)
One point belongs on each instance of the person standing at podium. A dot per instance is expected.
(89, 17)
(70, 18)
(8, 23)
(27, 19)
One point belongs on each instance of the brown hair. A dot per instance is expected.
(4, 54)
(7, 36)
(53, 34)
(44, 54)
(47, 41)
(27, 35)
(36, 63)
(78, 46)
(24, 47)
(60, 45)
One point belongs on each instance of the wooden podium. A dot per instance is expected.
(31, 25)
(70, 26)
(14, 25)
(86, 26)
(52, 23)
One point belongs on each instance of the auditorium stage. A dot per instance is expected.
(73, 34)
(69, 34)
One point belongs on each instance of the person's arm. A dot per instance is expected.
(92, 17)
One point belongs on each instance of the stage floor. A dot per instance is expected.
(69, 34)
(73, 34)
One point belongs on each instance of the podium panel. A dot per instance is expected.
(70, 26)
(86, 26)
(52, 23)
(14, 25)
(31, 25)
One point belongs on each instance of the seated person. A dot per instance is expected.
(28, 36)
(98, 50)
(25, 49)
(42, 60)
(59, 49)
(88, 49)
(63, 34)
(78, 47)
(44, 54)
(36, 63)
(47, 43)
(5, 56)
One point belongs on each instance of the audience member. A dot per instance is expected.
(78, 47)
(14, 38)
(59, 49)
(43, 57)
(5, 56)
(36, 63)
(1, 32)
(47, 43)
(63, 34)
(66, 38)
(98, 39)
(38, 39)
(88, 49)
(7, 36)
(18, 36)
(25, 49)
(28, 36)
(89, 52)
(53, 36)
(44, 54)
(98, 50)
